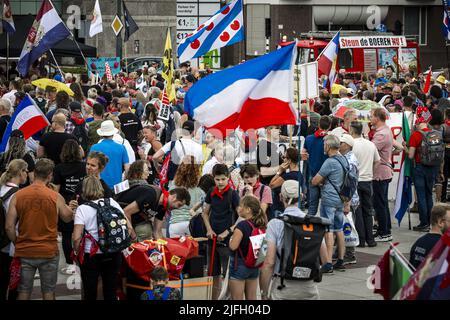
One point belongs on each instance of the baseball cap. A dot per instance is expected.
(75, 106)
(289, 190)
(188, 125)
(348, 139)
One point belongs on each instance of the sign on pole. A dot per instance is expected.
(117, 25)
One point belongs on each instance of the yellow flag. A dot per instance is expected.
(167, 72)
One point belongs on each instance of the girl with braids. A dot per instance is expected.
(242, 278)
(17, 150)
(16, 174)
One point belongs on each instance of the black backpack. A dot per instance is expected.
(81, 134)
(4, 240)
(112, 227)
(432, 148)
(300, 250)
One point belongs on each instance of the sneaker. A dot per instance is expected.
(383, 238)
(327, 268)
(339, 265)
(420, 228)
(371, 244)
(361, 245)
(349, 260)
(69, 270)
(389, 237)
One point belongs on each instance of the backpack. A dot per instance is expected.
(81, 134)
(432, 148)
(349, 184)
(112, 227)
(197, 227)
(446, 137)
(165, 295)
(269, 212)
(300, 250)
(169, 168)
(4, 240)
(254, 258)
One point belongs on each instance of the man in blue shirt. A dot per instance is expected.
(116, 153)
(315, 157)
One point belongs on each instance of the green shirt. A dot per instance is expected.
(182, 214)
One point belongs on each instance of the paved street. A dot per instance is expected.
(350, 284)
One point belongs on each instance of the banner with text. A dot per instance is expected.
(372, 42)
(97, 65)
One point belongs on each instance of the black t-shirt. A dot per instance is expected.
(130, 126)
(4, 120)
(30, 162)
(267, 156)
(68, 176)
(53, 143)
(85, 88)
(422, 247)
(147, 200)
(246, 230)
(223, 211)
(79, 191)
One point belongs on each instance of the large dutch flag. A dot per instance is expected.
(47, 30)
(27, 118)
(225, 28)
(255, 94)
(328, 59)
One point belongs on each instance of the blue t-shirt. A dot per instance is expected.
(117, 157)
(314, 146)
(332, 171)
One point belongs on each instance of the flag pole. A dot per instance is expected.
(299, 123)
(7, 55)
(56, 62)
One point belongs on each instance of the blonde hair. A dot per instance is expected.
(92, 188)
(258, 215)
(14, 169)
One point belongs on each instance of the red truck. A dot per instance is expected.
(362, 51)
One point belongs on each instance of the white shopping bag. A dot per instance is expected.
(350, 234)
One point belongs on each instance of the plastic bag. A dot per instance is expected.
(350, 234)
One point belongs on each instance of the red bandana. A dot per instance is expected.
(342, 126)
(165, 199)
(219, 193)
(320, 133)
(256, 186)
(78, 121)
(447, 122)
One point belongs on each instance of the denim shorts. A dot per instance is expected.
(48, 273)
(335, 215)
(238, 270)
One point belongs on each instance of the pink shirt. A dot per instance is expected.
(266, 195)
(384, 141)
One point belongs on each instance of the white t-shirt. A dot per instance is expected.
(209, 165)
(191, 148)
(3, 190)
(338, 132)
(87, 216)
(366, 152)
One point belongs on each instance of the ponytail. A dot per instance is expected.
(258, 215)
(259, 219)
(13, 169)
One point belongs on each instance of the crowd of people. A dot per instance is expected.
(110, 132)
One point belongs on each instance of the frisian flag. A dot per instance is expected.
(404, 190)
(27, 118)
(252, 95)
(327, 61)
(446, 21)
(47, 30)
(225, 28)
(7, 18)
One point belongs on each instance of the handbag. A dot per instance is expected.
(351, 237)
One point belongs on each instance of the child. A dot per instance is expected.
(159, 291)
(220, 217)
(242, 278)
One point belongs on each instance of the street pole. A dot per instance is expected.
(119, 36)
(7, 55)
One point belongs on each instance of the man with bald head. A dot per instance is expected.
(52, 142)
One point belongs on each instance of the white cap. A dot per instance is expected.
(107, 129)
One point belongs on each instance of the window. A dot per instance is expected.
(24, 7)
(345, 58)
(415, 23)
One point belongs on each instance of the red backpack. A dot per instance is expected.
(254, 258)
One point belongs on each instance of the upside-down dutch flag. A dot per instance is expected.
(446, 21)
(328, 59)
(255, 94)
(47, 30)
(225, 28)
(28, 118)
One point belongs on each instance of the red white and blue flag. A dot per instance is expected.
(255, 94)
(225, 28)
(446, 21)
(47, 30)
(328, 60)
(27, 118)
(7, 18)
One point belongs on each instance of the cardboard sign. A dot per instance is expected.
(372, 42)
(164, 112)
